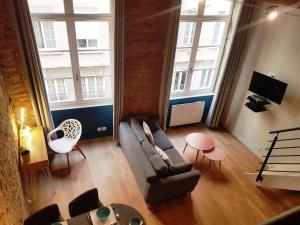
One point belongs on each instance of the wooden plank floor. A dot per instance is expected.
(220, 198)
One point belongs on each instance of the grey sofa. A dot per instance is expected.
(289, 217)
(156, 180)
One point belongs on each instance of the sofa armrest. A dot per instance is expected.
(290, 217)
(171, 186)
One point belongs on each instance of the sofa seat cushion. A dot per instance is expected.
(159, 165)
(138, 130)
(161, 140)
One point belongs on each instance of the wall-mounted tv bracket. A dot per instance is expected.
(256, 103)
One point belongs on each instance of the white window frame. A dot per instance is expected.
(199, 19)
(70, 18)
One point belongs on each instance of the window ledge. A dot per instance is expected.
(190, 96)
(78, 106)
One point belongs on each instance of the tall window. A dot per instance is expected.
(75, 42)
(202, 30)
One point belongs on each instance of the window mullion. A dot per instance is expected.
(193, 56)
(201, 7)
(69, 10)
(74, 58)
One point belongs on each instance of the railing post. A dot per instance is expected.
(259, 176)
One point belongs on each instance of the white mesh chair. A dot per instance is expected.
(72, 132)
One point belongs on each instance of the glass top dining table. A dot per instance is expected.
(120, 214)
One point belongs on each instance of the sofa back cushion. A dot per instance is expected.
(161, 140)
(137, 128)
(157, 162)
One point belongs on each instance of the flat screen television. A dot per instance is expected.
(267, 87)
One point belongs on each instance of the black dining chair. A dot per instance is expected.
(45, 216)
(84, 203)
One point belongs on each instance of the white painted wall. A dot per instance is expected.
(274, 47)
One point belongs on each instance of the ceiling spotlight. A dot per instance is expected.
(272, 12)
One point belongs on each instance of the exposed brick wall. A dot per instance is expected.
(12, 65)
(13, 208)
(146, 24)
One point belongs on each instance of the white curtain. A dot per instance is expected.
(245, 19)
(167, 72)
(32, 64)
(119, 66)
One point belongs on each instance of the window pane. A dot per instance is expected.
(93, 43)
(94, 63)
(217, 7)
(201, 79)
(211, 33)
(182, 59)
(59, 91)
(206, 58)
(38, 34)
(91, 6)
(57, 66)
(81, 43)
(186, 34)
(51, 34)
(46, 6)
(189, 7)
(97, 89)
(97, 31)
(178, 82)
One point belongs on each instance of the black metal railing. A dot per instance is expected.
(272, 147)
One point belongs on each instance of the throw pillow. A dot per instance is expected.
(148, 133)
(163, 155)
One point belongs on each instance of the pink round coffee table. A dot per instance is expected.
(200, 142)
(216, 155)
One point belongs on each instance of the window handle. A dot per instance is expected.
(77, 79)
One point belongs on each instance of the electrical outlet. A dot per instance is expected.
(103, 128)
(258, 147)
(99, 128)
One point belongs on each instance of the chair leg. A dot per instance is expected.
(79, 149)
(68, 163)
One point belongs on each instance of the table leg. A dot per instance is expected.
(209, 163)
(202, 159)
(68, 163)
(185, 147)
(196, 157)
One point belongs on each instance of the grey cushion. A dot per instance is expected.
(138, 130)
(180, 168)
(152, 123)
(161, 140)
(148, 148)
(159, 165)
(174, 156)
(157, 162)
